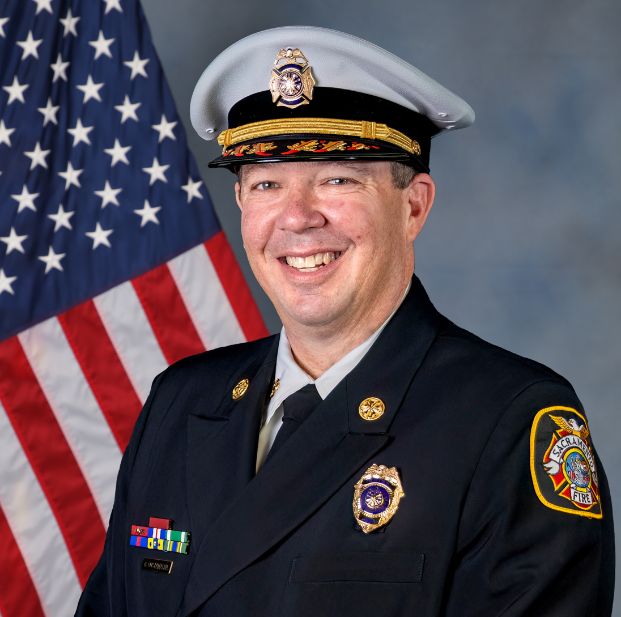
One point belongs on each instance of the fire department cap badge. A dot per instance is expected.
(291, 82)
(562, 462)
(376, 497)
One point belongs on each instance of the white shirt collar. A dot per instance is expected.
(292, 377)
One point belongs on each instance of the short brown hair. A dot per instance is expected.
(402, 174)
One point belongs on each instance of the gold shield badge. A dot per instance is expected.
(376, 497)
(291, 82)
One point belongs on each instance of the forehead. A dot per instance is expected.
(311, 168)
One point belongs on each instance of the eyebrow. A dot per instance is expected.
(355, 166)
(258, 168)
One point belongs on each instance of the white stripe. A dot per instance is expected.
(205, 298)
(76, 409)
(34, 527)
(132, 336)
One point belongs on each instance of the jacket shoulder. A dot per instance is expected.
(486, 361)
(220, 360)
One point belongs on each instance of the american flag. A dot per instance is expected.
(112, 266)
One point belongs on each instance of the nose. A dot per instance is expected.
(300, 211)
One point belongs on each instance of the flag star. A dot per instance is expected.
(69, 23)
(52, 260)
(156, 171)
(61, 218)
(25, 199)
(148, 214)
(6, 283)
(49, 112)
(128, 110)
(137, 64)
(16, 91)
(118, 153)
(3, 21)
(91, 89)
(37, 156)
(80, 133)
(102, 46)
(14, 242)
(5, 133)
(113, 4)
(165, 129)
(108, 195)
(29, 46)
(99, 236)
(71, 176)
(193, 189)
(43, 5)
(60, 68)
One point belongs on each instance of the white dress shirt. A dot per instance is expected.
(292, 377)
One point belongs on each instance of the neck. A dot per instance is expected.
(317, 348)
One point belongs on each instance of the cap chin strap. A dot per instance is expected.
(318, 126)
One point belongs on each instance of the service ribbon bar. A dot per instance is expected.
(160, 534)
(160, 544)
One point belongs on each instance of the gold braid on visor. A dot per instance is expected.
(318, 126)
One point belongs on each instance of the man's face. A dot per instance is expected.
(331, 242)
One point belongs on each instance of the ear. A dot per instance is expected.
(238, 194)
(420, 195)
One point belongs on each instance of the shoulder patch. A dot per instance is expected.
(562, 464)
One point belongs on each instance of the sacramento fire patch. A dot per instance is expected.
(562, 462)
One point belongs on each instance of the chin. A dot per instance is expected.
(313, 311)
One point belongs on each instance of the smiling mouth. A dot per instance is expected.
(311, 263)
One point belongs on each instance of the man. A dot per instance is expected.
(373, 459)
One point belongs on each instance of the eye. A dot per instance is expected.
(340, 181)
(265, 185)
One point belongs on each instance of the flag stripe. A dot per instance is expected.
(173, 326)
(238, 293)
(88, 337)
(102, 369)
(75, 408)
(20, 598)
(132, 336)
(51, 458)
(205, 298)
(34, 528)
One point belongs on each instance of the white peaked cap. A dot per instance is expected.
(339, 60)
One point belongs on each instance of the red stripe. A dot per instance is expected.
(234, 285)
(18, 596)
(102, 369)
(51, 458)
(172, 325)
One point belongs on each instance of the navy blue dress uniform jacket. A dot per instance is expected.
(470, 538)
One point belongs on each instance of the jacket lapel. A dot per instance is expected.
(222, 443)
(321, 456)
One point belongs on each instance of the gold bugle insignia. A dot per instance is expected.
(275, 387)
(371, 408)
(240, 389)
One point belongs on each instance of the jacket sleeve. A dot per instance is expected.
(104, 594)
(524, 547)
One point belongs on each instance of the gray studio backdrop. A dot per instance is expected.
(522, 246)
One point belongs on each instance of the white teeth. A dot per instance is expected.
(312, 262)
